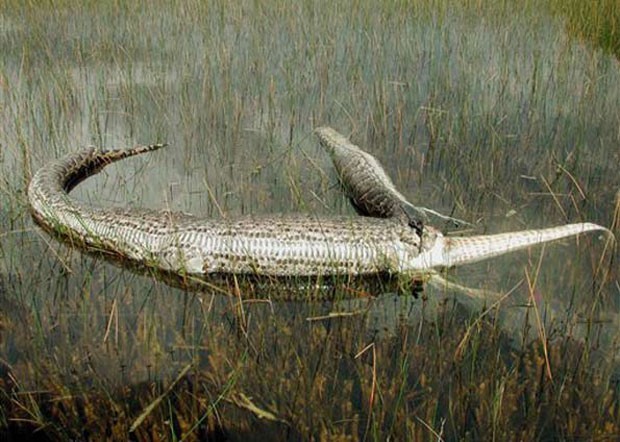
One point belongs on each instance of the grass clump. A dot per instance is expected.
(597, 21)
(263, 381)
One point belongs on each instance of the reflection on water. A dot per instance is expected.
(128, 328)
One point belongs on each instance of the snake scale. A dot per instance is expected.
(272, 246)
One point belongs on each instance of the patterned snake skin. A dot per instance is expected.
(370, 189)
(272, 246)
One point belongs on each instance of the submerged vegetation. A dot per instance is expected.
(493, 111)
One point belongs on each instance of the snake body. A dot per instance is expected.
(273, 246)
(368, 186)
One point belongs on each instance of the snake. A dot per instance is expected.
(275, 246)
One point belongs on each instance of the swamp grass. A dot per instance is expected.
(598, 22)
(501, 112)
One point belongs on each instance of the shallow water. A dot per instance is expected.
(507, 125)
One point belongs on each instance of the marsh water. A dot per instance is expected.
(503, 120)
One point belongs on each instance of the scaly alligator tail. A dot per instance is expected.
(466, 250)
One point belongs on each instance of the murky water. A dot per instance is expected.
(509, 126)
